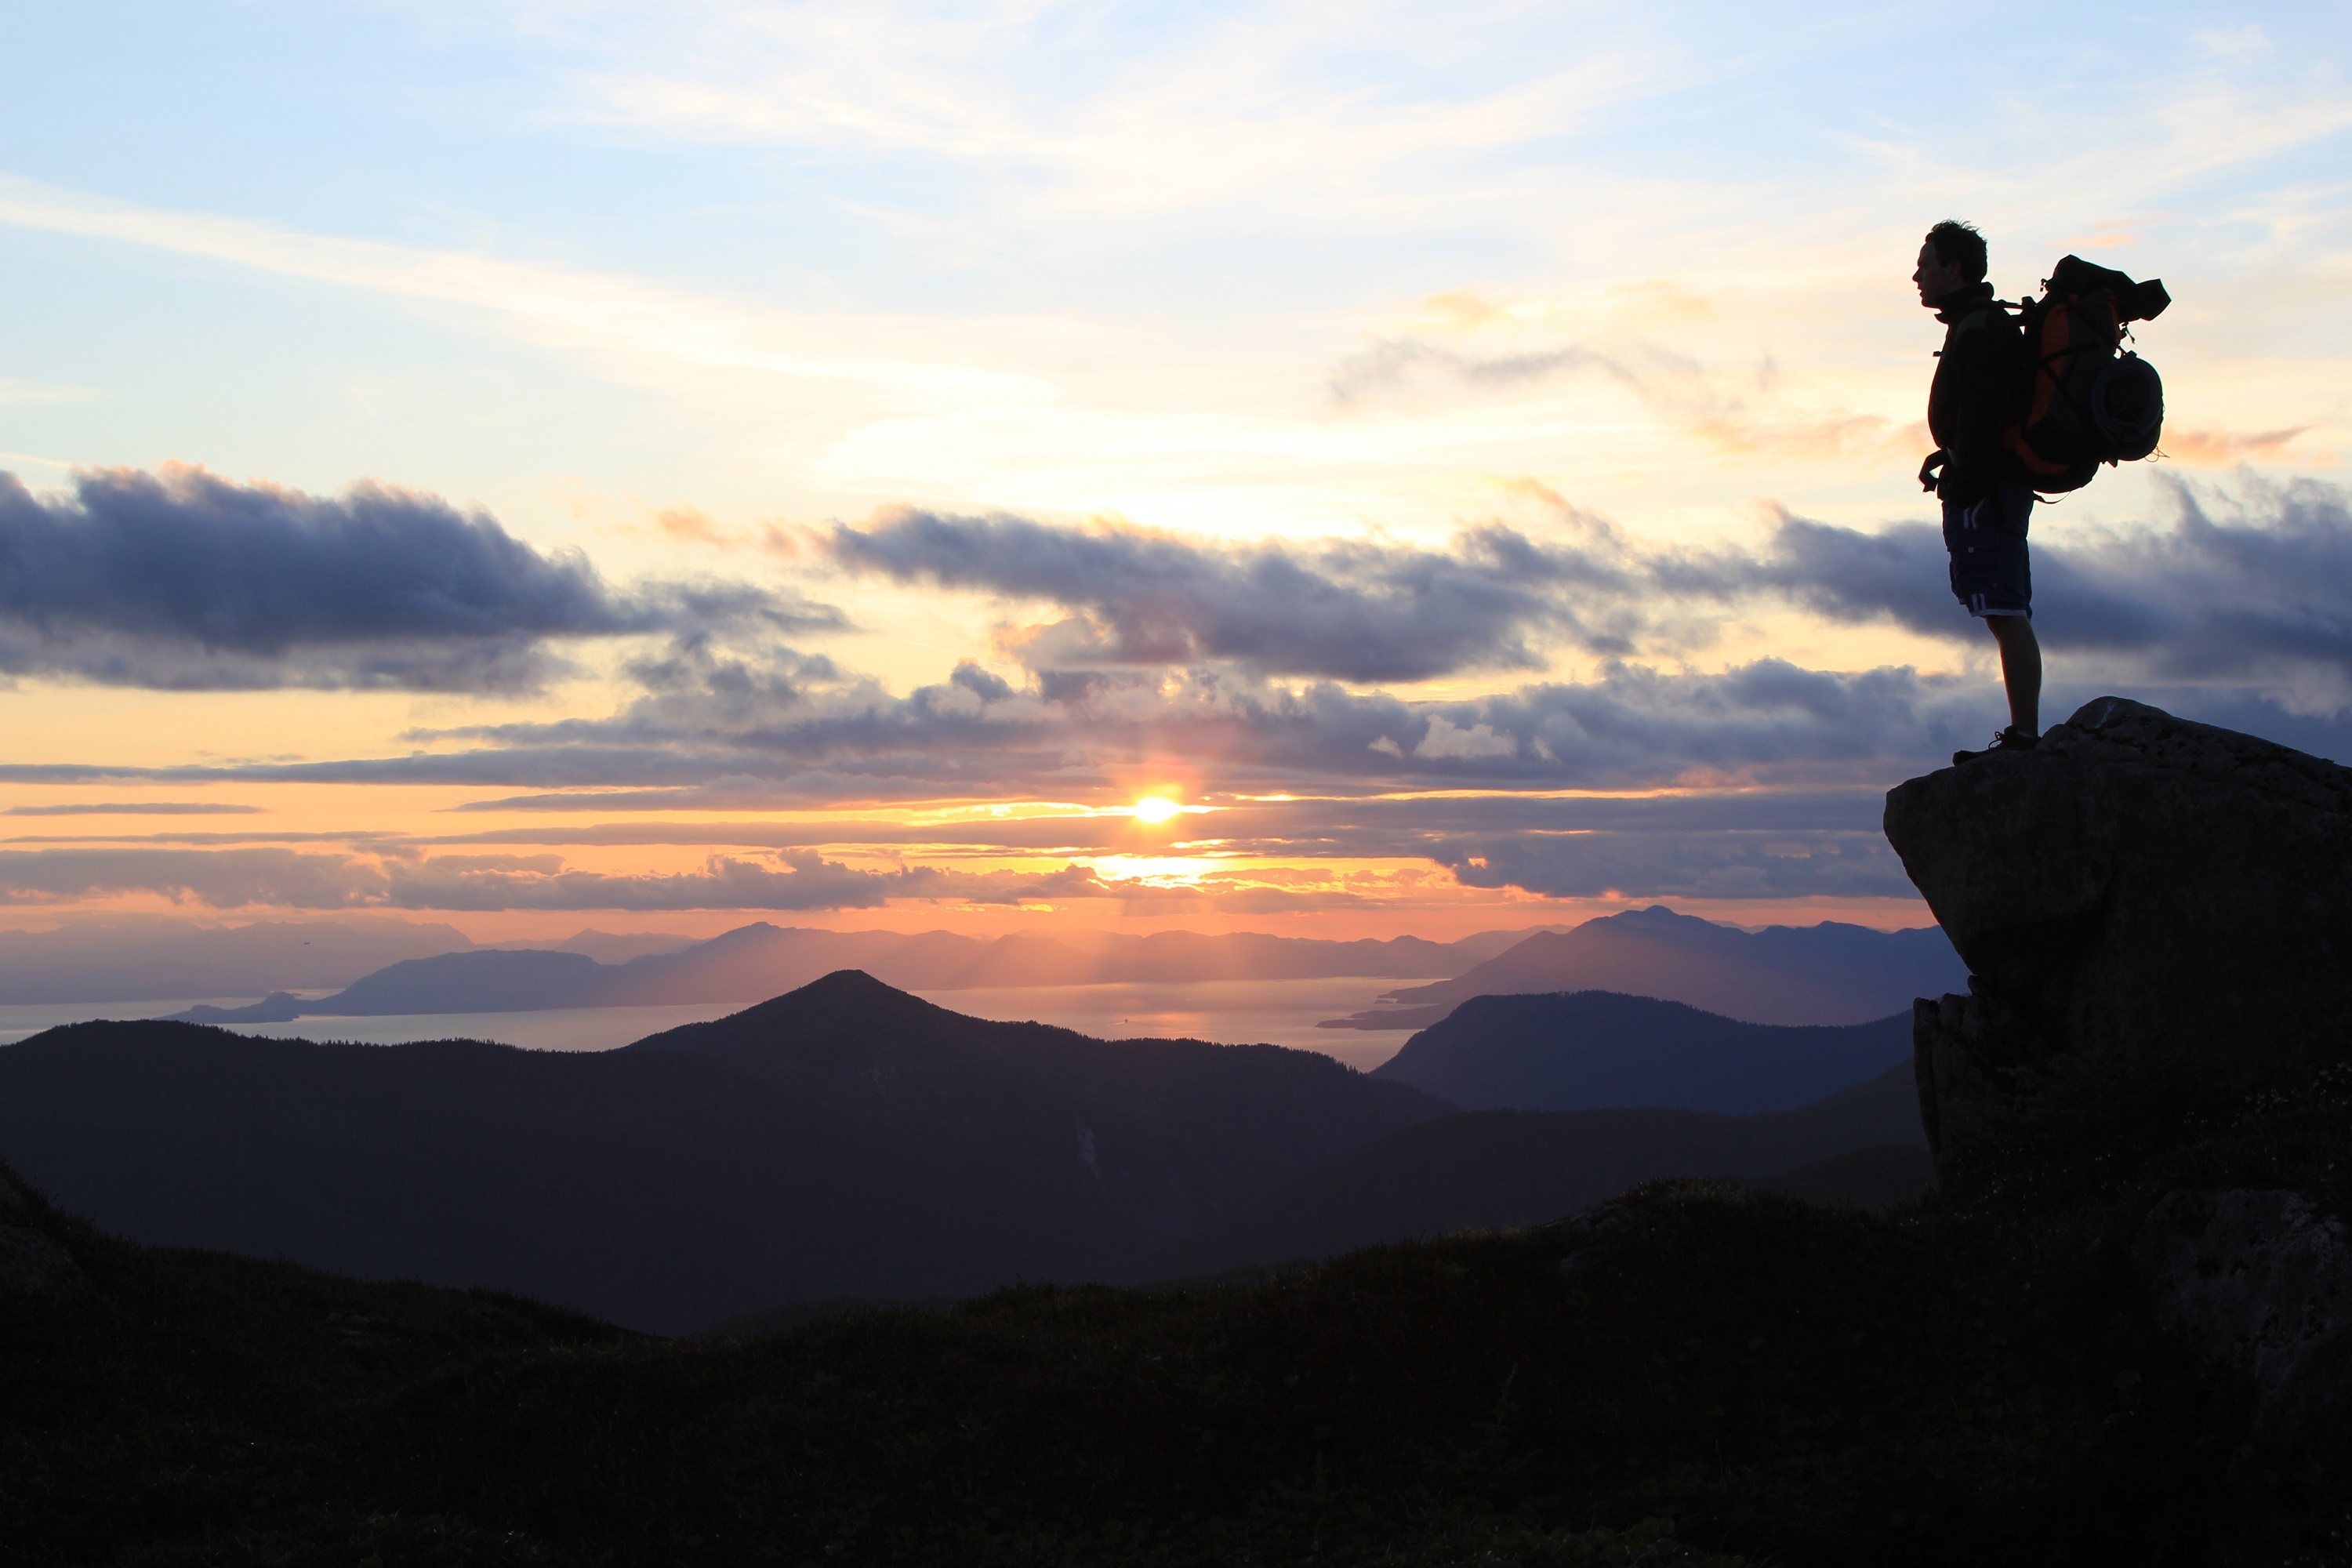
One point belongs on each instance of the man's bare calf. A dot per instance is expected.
(2021, 670)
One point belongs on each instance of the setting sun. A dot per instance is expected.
(1156, 809)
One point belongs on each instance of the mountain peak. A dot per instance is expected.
(853, 986)
(1656, 915)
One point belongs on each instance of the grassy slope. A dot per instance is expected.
(1972, 1380)
(1496, 1168)
(1785, 1382)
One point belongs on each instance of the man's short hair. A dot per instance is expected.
(1960, 244)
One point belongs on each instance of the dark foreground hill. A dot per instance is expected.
(664, 1192)
(1826, 973)
(1590, 1049)
(845, 1141)
(1498, 1169)
(1694, 1375)
(1171, 1134)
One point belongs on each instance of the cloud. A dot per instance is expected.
(643, 330)
(290, 878)
(779, 742)
(221, 879)
(1179, 112)
(1756, 781)
(137, 808)
(1719, 865)
(1404, 367)
(800, 879)
(1743, 412)
(182, 580)
(1350, 610)
(2214, 448)
(2249, 584)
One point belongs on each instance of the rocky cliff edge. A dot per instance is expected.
(2138, 883)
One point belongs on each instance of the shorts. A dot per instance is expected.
(1990, 574)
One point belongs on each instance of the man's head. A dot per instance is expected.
(1952, 258)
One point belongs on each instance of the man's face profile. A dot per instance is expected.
(1935, 277)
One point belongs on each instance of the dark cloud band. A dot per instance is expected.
(291, 879)
(1349, 610)
(183, 581)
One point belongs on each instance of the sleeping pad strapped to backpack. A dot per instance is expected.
(2085, 402)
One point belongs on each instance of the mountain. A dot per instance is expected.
(1495, 1169)
(845, 1141)
(1587, 1050)
(147, 958)
(661, 1191)
(277, 1007)
(1173, 1134)
(607, 947)
(760, 960)
(1826, 973)
(487, 980)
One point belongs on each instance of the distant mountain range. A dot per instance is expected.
(1590, 1049)
(1826, 973)
(845, 1141)
(141, 958)
(760, 960)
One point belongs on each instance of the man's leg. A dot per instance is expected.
(2021, 670)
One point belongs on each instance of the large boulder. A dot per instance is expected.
(2137, 883)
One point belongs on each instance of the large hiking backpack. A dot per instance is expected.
(2087, 400)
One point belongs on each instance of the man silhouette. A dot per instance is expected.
(1979, 386)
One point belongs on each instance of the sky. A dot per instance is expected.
(1328, 470)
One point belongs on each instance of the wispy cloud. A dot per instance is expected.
(1121, 111)
(624, 320)
(136, 808)
(1749, 412)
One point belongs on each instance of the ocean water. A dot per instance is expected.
(1234, 1012)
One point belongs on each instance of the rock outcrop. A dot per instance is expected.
(2259, 1282)
(31, 1262)
(2138, 883)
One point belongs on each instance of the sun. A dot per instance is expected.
(1155, 809)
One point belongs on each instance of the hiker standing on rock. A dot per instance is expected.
(1988, 501)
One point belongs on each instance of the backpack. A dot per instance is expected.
(2086, 403)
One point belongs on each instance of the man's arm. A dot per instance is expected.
(1982, 366)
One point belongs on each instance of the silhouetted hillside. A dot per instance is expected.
(1826, 973)
(1590, 1050)
(1174, 1132)
(657, 1189)
(1877, 1177)
(845, 1141)
(1695, 1376)
(1494, 1169)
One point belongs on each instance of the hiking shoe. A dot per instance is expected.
(2010, 740)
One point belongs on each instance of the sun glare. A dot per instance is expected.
(1156, 809)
